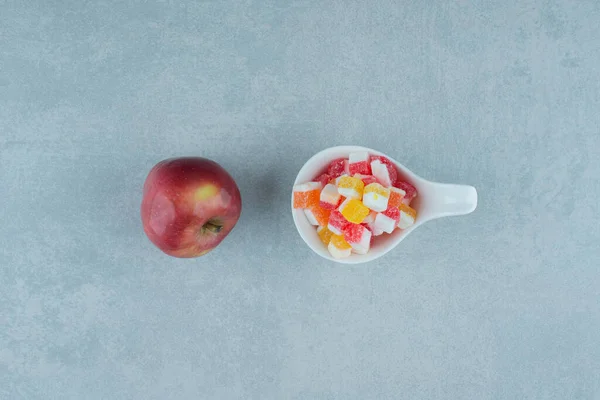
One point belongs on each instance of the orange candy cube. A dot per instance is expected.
(317, 215)
(396, 197)
(306, 195)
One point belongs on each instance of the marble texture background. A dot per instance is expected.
(501, 304)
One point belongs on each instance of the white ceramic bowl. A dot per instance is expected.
(434, 200)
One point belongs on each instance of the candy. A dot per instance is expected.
(392, 173)
(358, 237)
(354, 200)
(374, 230)
(306, 194)
(347, 167)
(359, 163)
(387, 220)
(370, 218)
(410, 190)
(354, 210)
(381, 172)
(350, 187)
(323, 178)
(329, 198)
(337, 222)
(338, 247)
(310, 217)
(324, 234)
(396, 196)
(367, 179)
(407, 216)
(376, 197)
(336, 167)
(317, 215)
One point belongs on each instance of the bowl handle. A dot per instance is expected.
(452, 200)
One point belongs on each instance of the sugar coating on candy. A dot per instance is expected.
(338, 247)
(396, 196)
(324, 234)
(393, 213)
(392, 171)
(350, 187)
(339, 178)
(323, 179)
(317, 215)
(359, 163)
(320, 214)
(354, 210)
(410, 190)
(353, 232)
(408, 215)
(329, 197)
(376, 197)
(367, 179)
(337, 222)
(384, 223)
(306, 194)
(359, 238)
(336, 167)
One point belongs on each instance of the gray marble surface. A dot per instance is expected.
(501, 304)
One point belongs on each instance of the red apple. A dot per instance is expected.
(190, 205)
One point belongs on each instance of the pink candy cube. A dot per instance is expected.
(359, 238)
(359, 163)
(337, 223)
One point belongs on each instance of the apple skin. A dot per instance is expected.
(189, 205)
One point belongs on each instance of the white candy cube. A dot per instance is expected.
(330, 195)
(358, 156)
(308, 186)
(375, 230)
(349, 193)
(384, 223)
(381, 173)
(375, 201)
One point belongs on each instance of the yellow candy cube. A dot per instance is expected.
(324, 234)
(351, 187)
(354, 210)
(338, 247)
(376, 197)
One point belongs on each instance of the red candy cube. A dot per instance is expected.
(323, 178)
(337, 222)
(359, 163)
(367, 179)
(336, 168)
(411, 191)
